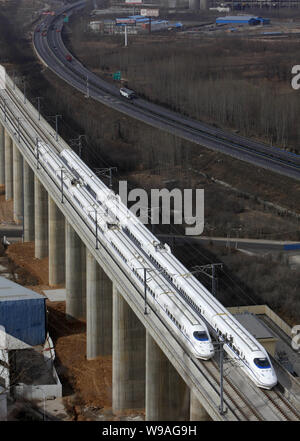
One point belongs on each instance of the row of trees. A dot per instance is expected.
(237, 83)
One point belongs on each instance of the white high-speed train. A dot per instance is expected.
(184, 288)
(179, 316)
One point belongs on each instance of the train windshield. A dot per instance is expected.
(200, 335)
(262, 363)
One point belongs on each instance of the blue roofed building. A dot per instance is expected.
(242, 19)
(22, 312)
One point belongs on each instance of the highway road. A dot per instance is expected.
(255, 245)
(49, 46)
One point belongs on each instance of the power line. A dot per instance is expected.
(96, 155)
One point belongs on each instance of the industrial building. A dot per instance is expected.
(256, 328)
(22, 312)
(26, 350)
(134, 24)
(242, 19)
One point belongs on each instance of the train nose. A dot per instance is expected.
(269, 380)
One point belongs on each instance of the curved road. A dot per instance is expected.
(52, 52)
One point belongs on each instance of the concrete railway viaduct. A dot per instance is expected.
(150, 369)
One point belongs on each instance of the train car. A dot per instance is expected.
(238, 343)
(185, 324)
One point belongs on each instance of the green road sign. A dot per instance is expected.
(117, 76)
(66, 19)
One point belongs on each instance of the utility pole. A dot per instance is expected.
(125, 36)
(106, 172)
(221, 378)
(87, 88)
(220, 345)
(14, 80)
(56, 125)
(38, 98)
(145, 291)
(37, 152)
(78, 144)
(172, 243)
(24, 89)
(62, 184)
(206, 269)
(96, 225)
(149, 270)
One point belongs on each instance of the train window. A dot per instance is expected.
(262, 363)
(200, 335)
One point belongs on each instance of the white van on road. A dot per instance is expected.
(127, 93)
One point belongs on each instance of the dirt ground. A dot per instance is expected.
(6, 208)
(90, 379)
(22, 254)
(87, 385)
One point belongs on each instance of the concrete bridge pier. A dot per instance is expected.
(172, 3)
(56, 222)
(99, 310)
(28, 189)
(2, 155)
(8, 166)
(128, 360)
(197, 411)
(194, 4)
(17, 185)
(40, 219)
(167, 395)
(75, 275)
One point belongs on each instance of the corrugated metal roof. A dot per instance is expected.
(254, 325)
(11, 291)
(237, 17)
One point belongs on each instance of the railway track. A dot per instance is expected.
(27, 139)
(48, 137)
(281, 404)
(234, 400)
(245, 410)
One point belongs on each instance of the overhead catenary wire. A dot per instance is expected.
(97, 156)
